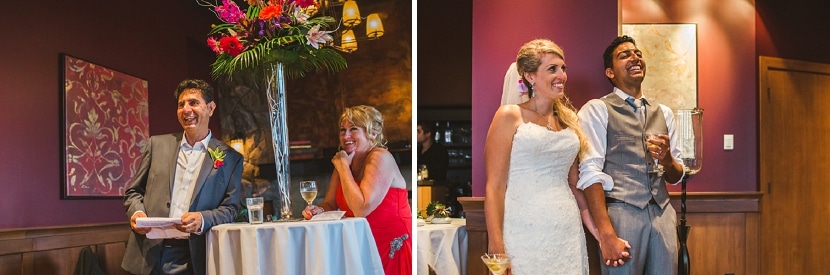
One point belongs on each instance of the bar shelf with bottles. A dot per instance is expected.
(456, 136)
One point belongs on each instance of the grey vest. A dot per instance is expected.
(625, 157)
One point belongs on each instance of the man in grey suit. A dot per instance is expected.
(190, 175)
(624, 186)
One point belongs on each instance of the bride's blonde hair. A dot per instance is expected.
(527, 61)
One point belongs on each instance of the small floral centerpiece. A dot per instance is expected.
(438, 211)
(218, 157)
(271, 31)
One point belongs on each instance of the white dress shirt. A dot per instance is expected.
(188, 166)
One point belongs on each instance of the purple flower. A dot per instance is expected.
(522, 87)
(229, 12)
(283, 20)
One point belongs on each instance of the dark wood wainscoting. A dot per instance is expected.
(55, 250)
(724, 236)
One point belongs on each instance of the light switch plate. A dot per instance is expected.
(728, 142)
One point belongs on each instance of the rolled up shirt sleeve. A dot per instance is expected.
(593, 118)
(674, 139)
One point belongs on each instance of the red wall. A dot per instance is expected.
(727, 85)
(731, 36)
(582, 28)
(147, 39)
(793, 29)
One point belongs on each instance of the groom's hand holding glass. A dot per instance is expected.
(658, 148)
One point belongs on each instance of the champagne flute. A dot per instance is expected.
(496, 263)
(309, 190)
(657, 168)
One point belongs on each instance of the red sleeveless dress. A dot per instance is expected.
(391, 224)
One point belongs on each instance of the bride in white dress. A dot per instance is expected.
(532, 205)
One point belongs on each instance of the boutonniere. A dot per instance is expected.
(218, 157)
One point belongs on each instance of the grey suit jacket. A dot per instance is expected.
(215, 196)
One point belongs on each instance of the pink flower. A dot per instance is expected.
(316, 37)
(218, 163)
(214, 45)
(305, 3)
(229, 12)
(300, 16)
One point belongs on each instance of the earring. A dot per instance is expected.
(533, 95)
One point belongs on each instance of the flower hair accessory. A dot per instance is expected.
(522, 87)
(218, 157)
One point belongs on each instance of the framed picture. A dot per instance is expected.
(670, 51)
(105, 125)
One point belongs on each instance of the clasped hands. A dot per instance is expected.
(617, 252)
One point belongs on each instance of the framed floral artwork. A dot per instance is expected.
(105, 125)
(670, 51)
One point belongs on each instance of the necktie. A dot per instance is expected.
(636, 104)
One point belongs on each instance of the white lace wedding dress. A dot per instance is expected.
(542, 226)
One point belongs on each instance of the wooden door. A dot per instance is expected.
(794, 109)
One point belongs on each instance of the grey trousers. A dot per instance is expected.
(652, 233)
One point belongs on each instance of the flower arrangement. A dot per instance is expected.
(218, 157)
(271, 31)
(436, 208)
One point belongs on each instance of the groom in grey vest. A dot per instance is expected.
(624, 176)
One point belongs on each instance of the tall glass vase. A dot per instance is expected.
(690, 141)
(275, 89)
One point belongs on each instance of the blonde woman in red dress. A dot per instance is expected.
(366, 182)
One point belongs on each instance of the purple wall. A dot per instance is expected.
(731, 36)
(147, 39)
(581, 28)
(727, 85)
(791, 29)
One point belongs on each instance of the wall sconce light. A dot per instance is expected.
(374, 27)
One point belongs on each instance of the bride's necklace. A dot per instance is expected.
(550, 127)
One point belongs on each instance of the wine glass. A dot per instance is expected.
(656, 168)
(309, 190)
(496, 263)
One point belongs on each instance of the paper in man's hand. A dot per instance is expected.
(161, 228)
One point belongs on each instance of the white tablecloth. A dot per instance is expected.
(443, 247)
(320, 247)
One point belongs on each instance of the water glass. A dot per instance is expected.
(255, 210)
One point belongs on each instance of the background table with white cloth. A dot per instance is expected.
(304, 247)
(443, 247)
